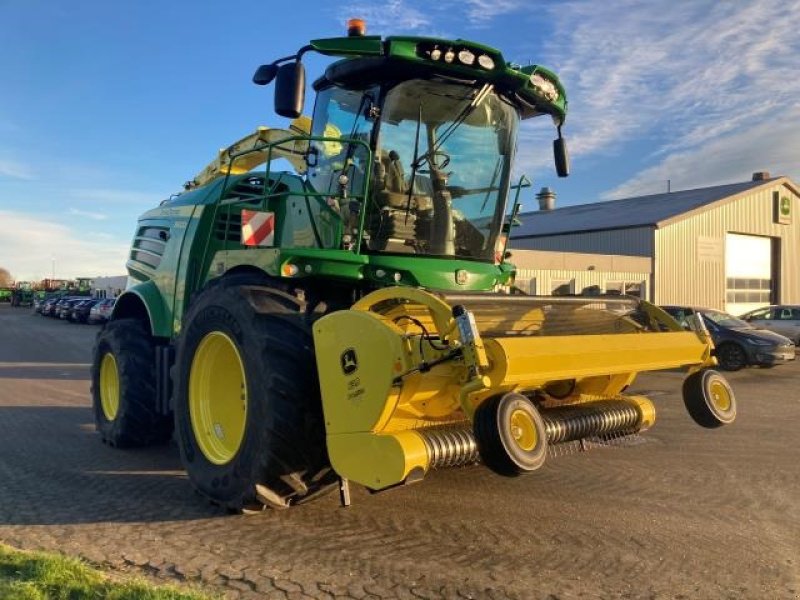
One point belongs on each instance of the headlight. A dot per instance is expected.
(544, 86)
(449, 56)
(466, 57)
(757, 342)
(486, 62)
(436, 54)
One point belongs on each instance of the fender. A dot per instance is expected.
(144, 300)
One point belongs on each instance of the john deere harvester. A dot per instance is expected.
(332, 302)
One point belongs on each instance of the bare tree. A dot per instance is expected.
(5, 278)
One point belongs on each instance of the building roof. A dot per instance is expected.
(641, 211)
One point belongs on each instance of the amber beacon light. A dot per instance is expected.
(356, 27)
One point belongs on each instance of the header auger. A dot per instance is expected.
(353, 319)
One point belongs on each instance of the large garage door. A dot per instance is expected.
(748, 272)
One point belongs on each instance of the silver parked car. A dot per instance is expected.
(783, 319)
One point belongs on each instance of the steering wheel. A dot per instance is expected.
(432, 159)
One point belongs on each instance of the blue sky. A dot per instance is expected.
(108, 107)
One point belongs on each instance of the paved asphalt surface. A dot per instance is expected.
(680, 512)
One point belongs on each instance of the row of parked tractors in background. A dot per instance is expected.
(78, 309)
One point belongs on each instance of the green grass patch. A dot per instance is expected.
(40, 576)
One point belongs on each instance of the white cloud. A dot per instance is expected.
(392, 15)
(15, 169)
(29, 244)
(481, 12)
(108, 196)
(686, 76)
(88, 214)
(416, 16)
(773, 147)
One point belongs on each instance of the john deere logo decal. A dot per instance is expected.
(786, 206)
(349, 361)
(783, 209)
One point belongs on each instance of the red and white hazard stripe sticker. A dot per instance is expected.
(258, 228)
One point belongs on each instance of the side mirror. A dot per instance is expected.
(265, 74)
(290, 89)
(561, 156)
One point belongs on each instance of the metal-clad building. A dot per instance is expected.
(732, 246)
(545, 273)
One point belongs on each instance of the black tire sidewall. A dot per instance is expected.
(525, 460)
(698, 402)
(227, 482)
(281, 434)
(723, 416)
(136, 422)
(107, 343)
(498, 450)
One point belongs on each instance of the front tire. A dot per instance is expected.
(247, 402)
(511, 434)
(709, 399)
(124, 386)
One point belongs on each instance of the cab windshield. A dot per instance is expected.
(443, 158)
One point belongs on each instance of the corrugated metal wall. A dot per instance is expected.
(690, 259)
(636, 241)
(542, 281)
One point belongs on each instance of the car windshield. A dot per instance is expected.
(725, 320)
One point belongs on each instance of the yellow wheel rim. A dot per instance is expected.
(218, 398)
(523, 430)
(720, 396)
(109, 386)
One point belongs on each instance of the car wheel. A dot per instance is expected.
(731, 357)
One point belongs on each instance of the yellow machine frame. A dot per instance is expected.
(383, 389)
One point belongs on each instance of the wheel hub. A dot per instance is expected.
(523, 430)
(719, 396)
(218, 397)
(109, 386)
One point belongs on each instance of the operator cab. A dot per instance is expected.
(412, 140)
(441, 164)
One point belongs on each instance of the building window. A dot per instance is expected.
(562, 287)
(634, 288)
(742, 290)
(591, 290)
(629, 288)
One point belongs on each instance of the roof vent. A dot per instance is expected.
(546, 198)
(760, 175)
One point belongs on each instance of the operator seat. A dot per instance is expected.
(393, 222)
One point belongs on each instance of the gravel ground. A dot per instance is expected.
(679, 512)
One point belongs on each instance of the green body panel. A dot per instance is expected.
(155, 303)
(405, 48)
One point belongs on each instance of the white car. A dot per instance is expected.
(783, 319)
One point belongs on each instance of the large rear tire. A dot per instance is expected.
(247, 404)
(124, 386)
